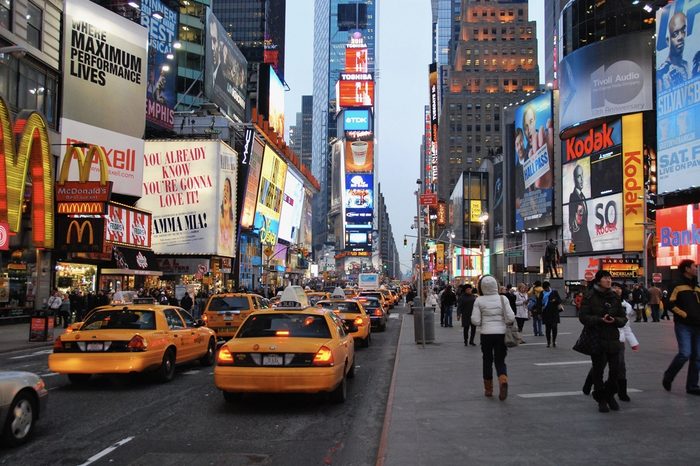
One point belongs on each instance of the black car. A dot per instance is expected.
(375, 310)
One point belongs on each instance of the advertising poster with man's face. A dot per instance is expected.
(359, 152)
(677, 102)
(270, 196)
(225, 77)
(534, 165)
(576, 177)
(594, 225)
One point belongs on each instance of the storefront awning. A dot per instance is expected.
(128, 261)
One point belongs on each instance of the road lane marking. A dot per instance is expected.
(532, 334)
(107, 451)
(561, 363)
(531, 344)
(555, 394)
(36, 353)
(393, 316)
(49, 374)
(191, 372)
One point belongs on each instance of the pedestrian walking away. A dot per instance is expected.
(465, 306)
(522, 314)
(534, 305)
(551, 307)
(602, 315)
(447, 300)
(685, 305)
(655, 302)
(431, 300)
(491, 314)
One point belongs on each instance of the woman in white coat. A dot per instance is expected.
(431, 300)
(491, 314)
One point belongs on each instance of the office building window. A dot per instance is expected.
(34, 22)
(5, 13)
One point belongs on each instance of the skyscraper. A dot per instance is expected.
(494, 62)
(257, 27)
(334, 21)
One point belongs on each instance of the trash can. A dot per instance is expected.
(425, 315)
(41, 325)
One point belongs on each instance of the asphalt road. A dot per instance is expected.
(134, 421)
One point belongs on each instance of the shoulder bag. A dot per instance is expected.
(512, 336)
(589, 341)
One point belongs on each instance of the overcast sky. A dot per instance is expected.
(402, 92)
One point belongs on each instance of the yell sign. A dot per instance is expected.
(33, 152)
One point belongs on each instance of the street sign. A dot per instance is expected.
(515, 253)
(656, 278)
(589, 276)
(429, 199)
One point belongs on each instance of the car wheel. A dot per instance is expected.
(382, 328)
(340, 394)
(208, 358)
(232, 397)
(166, 371)
(79, 379)
(21, 417)
(367, 340)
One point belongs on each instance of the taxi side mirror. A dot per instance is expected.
(199, 323)
(351, 328)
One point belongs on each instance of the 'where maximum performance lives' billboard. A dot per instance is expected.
(678, 96)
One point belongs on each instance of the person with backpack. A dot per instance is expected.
(534, 305)
(550, 313)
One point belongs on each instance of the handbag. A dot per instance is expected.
(588, 342)
(512, 336)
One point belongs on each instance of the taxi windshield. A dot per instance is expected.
(287, 325)
(120, 319)
(229, 303)
(341, 306)
(370, 302)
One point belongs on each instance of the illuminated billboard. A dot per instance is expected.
(359, 192)
(356, 58)
(677, 96)
(606, 78)
(359, 152)
(252, 159)
(594, 225)
(189, 186)
(291, 208)
(270, 196)
(356, 120)
(534, 163)
(354, 94)
(677, 235)
(160, 90)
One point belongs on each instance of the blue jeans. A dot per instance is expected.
(448, 316)
(688, 339)
(537, 325)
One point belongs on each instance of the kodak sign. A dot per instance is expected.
(595, 140)
(633, 181)
(25, 146)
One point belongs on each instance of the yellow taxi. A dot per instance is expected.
(316, 296)
(376, 294)
(124, 339)
(225, 312)
(291, 349)
(350, 293)
(352, 313)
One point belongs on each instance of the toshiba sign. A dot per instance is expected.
(124, 155)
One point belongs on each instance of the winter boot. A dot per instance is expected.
(601, 398)
(502, 387)
(488, 387)
(587, 385)
(622, 390)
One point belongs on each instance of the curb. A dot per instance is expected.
(381, 451)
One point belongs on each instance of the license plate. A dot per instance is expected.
(272, 360)
(227, 318)
(95, 346)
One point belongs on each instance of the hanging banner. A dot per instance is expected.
(633, 181)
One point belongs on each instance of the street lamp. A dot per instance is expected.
(483, 219)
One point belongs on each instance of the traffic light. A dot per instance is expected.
(405, 242)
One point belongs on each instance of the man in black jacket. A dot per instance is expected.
(465, 306)
(602, 314)
(447, 300)
(685, 305)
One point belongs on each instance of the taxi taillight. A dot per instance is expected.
(359, 321)
(205, 318)
(323, 357)
(225, 358)
(377, 312)
(137, 343)
(57, 345)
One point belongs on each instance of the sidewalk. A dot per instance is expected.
(437, 413)
(15, 337)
